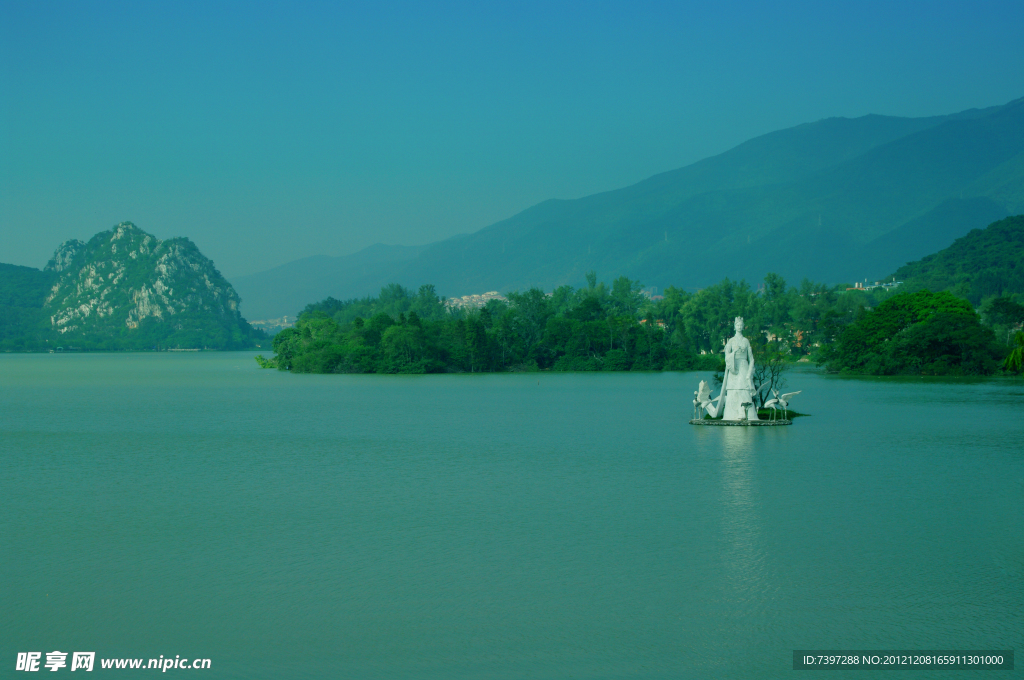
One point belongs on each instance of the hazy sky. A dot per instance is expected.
(266, 132)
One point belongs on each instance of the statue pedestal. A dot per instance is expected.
(738, 404)
(741, 423)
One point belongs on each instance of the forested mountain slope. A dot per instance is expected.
(276, 292)
(22, 292)
(984, 263)
(836, 200)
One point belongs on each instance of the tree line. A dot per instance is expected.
(618, 328)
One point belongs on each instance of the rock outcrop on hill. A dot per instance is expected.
(126, 289)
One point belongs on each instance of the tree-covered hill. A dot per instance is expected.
(124, 289)
(984, 263)
(22, 292)
(836, 200)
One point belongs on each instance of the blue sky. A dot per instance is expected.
(266, 132)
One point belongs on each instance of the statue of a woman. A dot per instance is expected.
(737, 385)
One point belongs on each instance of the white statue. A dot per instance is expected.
(781, 400)
(702, 400)
(737, 397)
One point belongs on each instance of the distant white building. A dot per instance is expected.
(271, 325)
(474, 301)
(886, 285)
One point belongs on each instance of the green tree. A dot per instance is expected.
(914, 332)
(530, 315)
(769, 366)
(1014, 363)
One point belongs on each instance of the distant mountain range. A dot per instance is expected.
(836, 200)
(124, 289)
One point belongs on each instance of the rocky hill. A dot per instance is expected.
(126, 289)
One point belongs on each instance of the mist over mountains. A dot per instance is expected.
(835, 200)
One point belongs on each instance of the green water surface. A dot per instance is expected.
(497, 526)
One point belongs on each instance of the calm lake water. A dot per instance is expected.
(497, 526)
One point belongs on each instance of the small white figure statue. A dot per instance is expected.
(703, 399)
(780, 401)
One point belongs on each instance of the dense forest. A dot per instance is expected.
(22, 291)
(619, 328)
(921, 332)
(984, 263)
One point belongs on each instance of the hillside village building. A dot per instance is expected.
(474, 301)
(888, 285)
